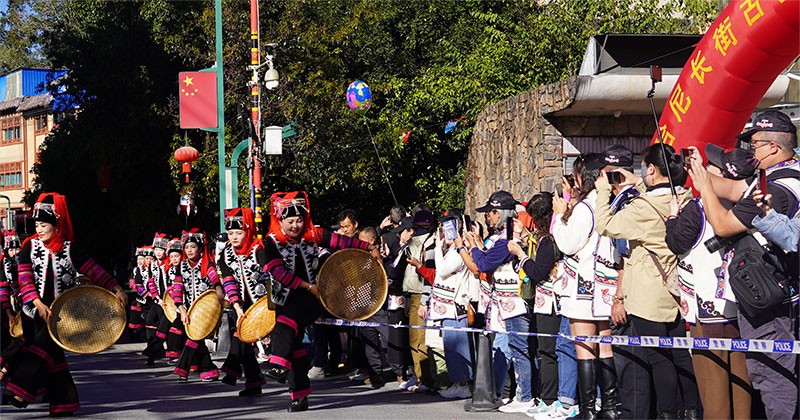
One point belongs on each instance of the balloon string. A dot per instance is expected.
(385, 175)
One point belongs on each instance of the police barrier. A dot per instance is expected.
(757, 346)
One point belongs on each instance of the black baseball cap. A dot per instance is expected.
(404, 224)
(614, 155)
(734, 163)
(499, 200)
(769, 121)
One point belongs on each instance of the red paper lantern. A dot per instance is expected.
(187, 155)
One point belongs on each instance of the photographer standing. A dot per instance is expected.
(722, 379)
(772, 140)
(652, 307)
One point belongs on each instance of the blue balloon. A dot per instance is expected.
(359, 97)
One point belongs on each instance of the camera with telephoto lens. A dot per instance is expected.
(718, 242)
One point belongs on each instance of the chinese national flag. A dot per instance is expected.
(198, 93)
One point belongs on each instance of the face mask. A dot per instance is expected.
(644, 174)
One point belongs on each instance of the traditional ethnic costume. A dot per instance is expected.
(136, 283)
(175, 336)
(9, 303)
(290, 262)
(242, 268)
(192, 280)
(156, 286)
(46, 270)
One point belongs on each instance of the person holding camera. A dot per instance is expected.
(538, 267)
(448, 302)
(505, 306)
(646, 290)
(772, 140)
(574, 233)
(722, 379)
(633, 380)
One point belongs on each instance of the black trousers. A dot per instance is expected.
(300, 310)
(633, 377)
(42, 365)
(399, 350)
(373, 339)
(324, 338)
(136, 317)
(548, 360)
(176, 338)
(195, 356)
(241, 360)
(155, 341)
(671, 367)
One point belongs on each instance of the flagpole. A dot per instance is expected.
(220, 112)
(255, 108)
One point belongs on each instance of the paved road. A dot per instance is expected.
(116, 384)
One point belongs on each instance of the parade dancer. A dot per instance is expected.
(156, 286)
(241, 265)
(136, 317)
(196, 275)
(48, 266)
(292, 255)
(175, 336)
(9, 302)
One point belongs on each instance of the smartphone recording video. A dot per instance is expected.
(450, 229)
(686, 154)
(614, 178)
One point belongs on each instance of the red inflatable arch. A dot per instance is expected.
(730, 70)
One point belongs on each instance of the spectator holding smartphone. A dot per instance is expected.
(722, 379)
(653, 310)
(505, 306)
(772, 140)
(574, 233)
(556, 356)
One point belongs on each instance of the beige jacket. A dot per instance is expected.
(642, 285)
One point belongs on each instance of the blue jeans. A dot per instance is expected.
(567, 366)
(518, 352)
(458, 351)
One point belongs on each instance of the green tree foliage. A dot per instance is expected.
(426, 63)
(20, 30)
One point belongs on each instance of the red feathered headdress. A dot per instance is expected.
(242, 218)
(52, 208)
(295, 203)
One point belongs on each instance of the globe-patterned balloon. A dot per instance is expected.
(359, 97)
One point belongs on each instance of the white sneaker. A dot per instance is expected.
(412, 381)
(559, 412)
(539, 406)
(517, 406)
(456, 392)
(316, 372)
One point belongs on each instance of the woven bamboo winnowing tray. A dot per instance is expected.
(204, 315)
(257, 322)
(16, 330)
(86, 319)
(352, 285)
(170, 310)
